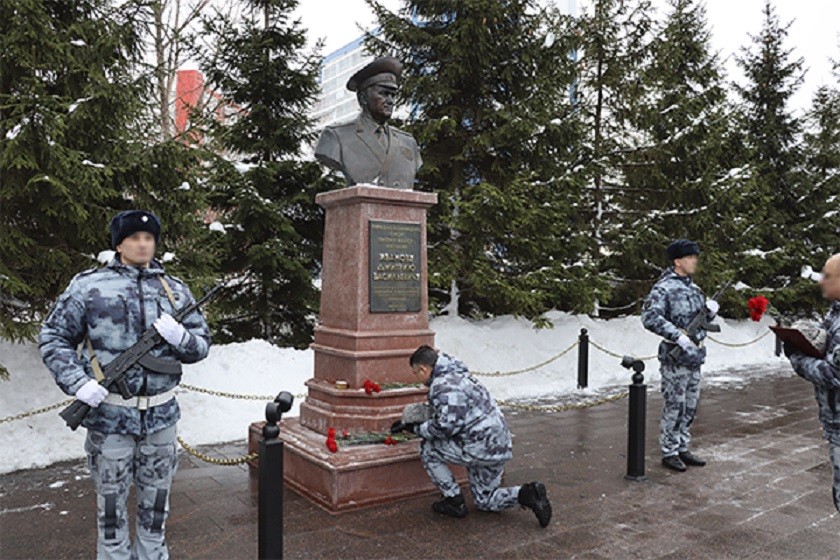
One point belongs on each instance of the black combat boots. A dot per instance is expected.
(674, 462)
(692, 460)
(453, 506)
(533, 496)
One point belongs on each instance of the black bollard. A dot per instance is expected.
(636, 421)
(583, 359)
(270, 517)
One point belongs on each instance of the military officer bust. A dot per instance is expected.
(367, 150)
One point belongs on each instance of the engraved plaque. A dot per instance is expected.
(395, 267)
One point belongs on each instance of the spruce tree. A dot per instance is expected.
(773, 194)
(263, 188)
(76, 150)
(614, 50)
(68, 97)
(678, 180)
(488, 86)
(820, 225)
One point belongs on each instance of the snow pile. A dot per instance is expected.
(256, 367)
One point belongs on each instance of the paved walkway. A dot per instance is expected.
(764, 495)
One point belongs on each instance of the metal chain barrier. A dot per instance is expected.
(23, 415)
(562, 407)
(227, 395)
(737, 344)
(526, 370)
(619, 356)
(215, 460)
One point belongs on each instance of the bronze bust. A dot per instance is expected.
(367, 150)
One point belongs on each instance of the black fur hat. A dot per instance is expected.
(129, 222)
(682, 248)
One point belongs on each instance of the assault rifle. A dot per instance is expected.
(116, 370)
(700, 321)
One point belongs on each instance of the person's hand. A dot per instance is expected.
(712, 306)
(400, 426)
(92, 393)
(789, 349)
(686, 343)
(171, 330)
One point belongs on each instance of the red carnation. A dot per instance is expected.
(757, 306)
(371, 387)
(345, 434)
(390, 441)
(332, 445)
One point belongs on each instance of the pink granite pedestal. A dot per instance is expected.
(354, 343)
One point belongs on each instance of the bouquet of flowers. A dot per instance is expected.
(364, 438)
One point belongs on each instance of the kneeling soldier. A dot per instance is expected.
(128, 440)
(467, 428)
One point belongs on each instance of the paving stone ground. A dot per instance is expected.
(764, 495)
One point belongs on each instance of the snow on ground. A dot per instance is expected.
(256, 367)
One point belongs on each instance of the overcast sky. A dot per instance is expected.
(814, 33)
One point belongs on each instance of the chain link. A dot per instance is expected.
(619, 356)
(562, 407)
(737, 344)
(23, 415)
(526, 370)
(215, 460)
(233, 395)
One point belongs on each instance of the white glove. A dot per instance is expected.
(92, 393)
(712, 306)
(686, 343)
(171, 330)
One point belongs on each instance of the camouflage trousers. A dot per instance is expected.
(117, 460)
(681, 391)
(485, 478)
(834, 454)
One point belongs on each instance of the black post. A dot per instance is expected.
(270, 517)
(636, 421)
(778, 346)
(583, 359)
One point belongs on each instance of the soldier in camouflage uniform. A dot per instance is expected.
(669, 308)
(825, 373)
(107, 310)
(467, 428)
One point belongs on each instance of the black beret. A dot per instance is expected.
(682, 248)
(129, 222)
(385, 65)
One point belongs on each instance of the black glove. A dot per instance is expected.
(399, 426)
(788, 348)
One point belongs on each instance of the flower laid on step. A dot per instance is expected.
(331, 444)
(365, 438)
(371, 387)
(758, 306)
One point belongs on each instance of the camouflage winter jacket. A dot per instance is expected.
(825, 373)
(464, 412)
(669, 308)
(114, 305)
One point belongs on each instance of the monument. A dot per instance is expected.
(374, 310)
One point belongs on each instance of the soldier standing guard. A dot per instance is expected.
(467, 428)
(669, 308)
(128, 440)
(368, 150)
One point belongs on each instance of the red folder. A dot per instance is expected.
(797, 340)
